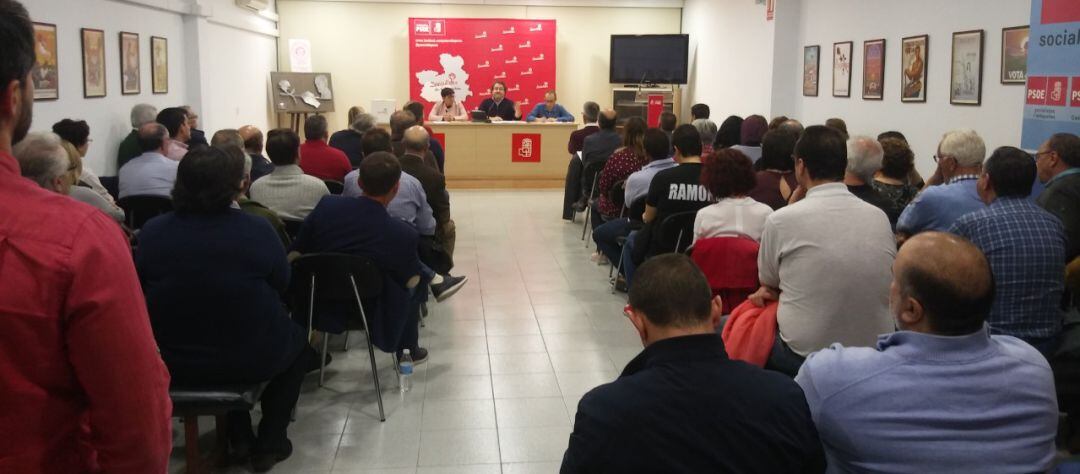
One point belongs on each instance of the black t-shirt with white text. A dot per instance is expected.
(673, 190)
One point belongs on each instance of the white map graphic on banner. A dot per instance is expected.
(453, 76)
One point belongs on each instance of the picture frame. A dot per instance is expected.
(841, 78)
(914, 64)
(130, 77)
(965, 78)
(93, 60)
(1014, 51)
(873, 73)
(45, 73)
(811, 67)
(159, 65)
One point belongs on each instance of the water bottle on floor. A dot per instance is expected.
(405, 370)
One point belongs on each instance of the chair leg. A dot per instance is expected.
(423, 314)
(346, 349)
(618, 271)
(220, 457)
(371, 350)
(585, 228)
(191, 445)
(322, 358)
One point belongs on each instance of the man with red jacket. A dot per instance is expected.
(319, 159)
(84, 389)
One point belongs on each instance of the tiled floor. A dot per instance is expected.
(511, 354)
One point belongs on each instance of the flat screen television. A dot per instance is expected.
(642, 59)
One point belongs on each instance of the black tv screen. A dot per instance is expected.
(660, 59)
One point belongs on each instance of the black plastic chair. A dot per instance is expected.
(189, 403)
(292, 227)
(676, 229)
(141, 208)
(594, 170)
(337, 277)
(111, 184)
(335, 187)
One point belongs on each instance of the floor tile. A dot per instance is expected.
(533, 444)
(581, 361)
(451, 447)
(520, 363)
(459, 387)
(512, 327)
(376, 449)
(525, 385)
(457, 415)
(531, 412)
(531, 468)
(515, 344)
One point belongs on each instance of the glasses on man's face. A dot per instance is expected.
(938, 157)
(1040, 153)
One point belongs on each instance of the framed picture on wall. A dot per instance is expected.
(1014, 51)
(93, 59)
(130, 82)
(45, 73)
(159, 65)
(965, 81)
(873, 72)
(914, 58)
(841, 69)
(811, 61)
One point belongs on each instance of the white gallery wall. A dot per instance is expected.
(231, 49)
(365, 45)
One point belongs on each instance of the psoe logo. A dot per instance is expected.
(1075, 95)
(525, 45)
(542, 85)
(497, 48)
(538, 27)
(510, 31)
(526, 150)
(525, 102)
(501, 75)
(515, 88)
(422, 27)
(527, 72)
(483, 65)
(512, 60)
(482, 35)
(540, 57)
(438, 27)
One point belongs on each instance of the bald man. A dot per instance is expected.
(596, 150)
(941, 394)
(253, 146)
(415, 141)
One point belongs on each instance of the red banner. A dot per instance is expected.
(525, 148)
(656, 108)
(469, 54)
(1060, 11)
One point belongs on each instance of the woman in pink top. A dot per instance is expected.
(449, 110)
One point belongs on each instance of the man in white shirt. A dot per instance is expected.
(287, 190)
(827, 258)
(151, 173)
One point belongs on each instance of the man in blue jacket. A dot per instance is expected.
(549, 111)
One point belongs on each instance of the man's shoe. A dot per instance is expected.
(448, 287)
(419, 355)
(578, 206)
(620, 284)
(264, 461)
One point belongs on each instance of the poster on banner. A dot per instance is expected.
(299, 55)
(469, 54)
(1052, 104)
(655, 109)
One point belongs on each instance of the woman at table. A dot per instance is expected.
(449, 110)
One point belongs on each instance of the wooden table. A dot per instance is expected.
(504, 154)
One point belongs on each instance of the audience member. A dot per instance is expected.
(175, 121)
(319, 159)
(498, 107)
(1058, 163)
(941, 394)
(1025, 246)
(151, 173)
(362, 226)
(399, 122)
(572, 192)
(776, 169)
(776, 122)
(596, 149)
(623, 162)
(699, 111)
(549, 111)
(448, 109)
(227, 137)
(249, 206)
(751, 132)
(287, 190)
(141, 114)
(830, 231)
(226, 326)
(434, 183)
(668, 122)
(607, 235)
(84, 389)
(253, 147)
(671, 191)
(791, 126)
(43, 160)
(729, 176)
(864, 159)
(914, 178)
(892, 180)
(348, 140)
(959, 161)
(85, 194)
(375, 140)
(77, 133)
(682, 405)
(839, 125)
(707, 129)
(728, 133)
(436, 149)
(198, 137)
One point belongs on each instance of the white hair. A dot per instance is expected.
(363, 122)
(42, 158)
(707, 129)
(143, 114)
(864, 156)
(966, 146)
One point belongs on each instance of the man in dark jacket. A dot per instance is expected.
(572, 192)
(434, 183)
(253, 146)
(682, 405)
(1058, 163)
(597, 149)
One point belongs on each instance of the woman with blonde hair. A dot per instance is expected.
(85, 194)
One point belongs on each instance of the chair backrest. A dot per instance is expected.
(591, 174)
(617, 193)
(111, 184)
(292, 227)
(676, 232)
(335, 187)
(141, 208)
(332, 272)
